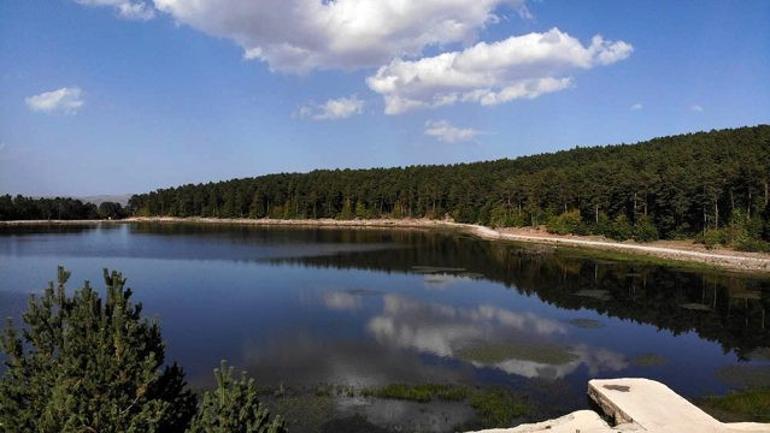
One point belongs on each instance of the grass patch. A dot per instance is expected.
(751, 405)
(496, 353)
(422, 393)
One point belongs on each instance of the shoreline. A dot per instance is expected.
(677, 252)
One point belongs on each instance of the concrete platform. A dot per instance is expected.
(636, 405)
(652, 406)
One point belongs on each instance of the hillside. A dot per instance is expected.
(670, 186)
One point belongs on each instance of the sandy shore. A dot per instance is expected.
(681, 251)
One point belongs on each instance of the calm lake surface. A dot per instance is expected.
(303, 308)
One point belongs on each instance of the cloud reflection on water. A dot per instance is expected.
(443, 330)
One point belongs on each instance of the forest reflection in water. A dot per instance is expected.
(327, 314)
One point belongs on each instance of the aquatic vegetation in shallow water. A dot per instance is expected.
(498, 408)
(351, 424)
(431, 407)
(745, 376)
(649, 360)
(493, 353)
(750, 405)
(422, 393)
(302, 411)
(494, 407)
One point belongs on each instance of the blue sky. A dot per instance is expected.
(155, 93)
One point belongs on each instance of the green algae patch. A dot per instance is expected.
(303, 411)
(422, 393)
(751, 405)
(649, 360)
(493, 407)
(497, 407)
(499, 352)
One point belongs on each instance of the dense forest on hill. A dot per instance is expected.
(713, 183)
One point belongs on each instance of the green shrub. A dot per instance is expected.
(484, 215)
(83, 365)
(737, 231)
(361, 211)
(620, 229)
(347, 211)
(753, 245)
(755, 226)
(712, 238)
(602, 226)
(766, 227)
(500, 217)
(566, 223)
(234, 407)
(519, 219)
(645, 230)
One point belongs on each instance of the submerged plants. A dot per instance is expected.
(748, 405)
(494, 407)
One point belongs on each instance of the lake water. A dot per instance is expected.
(301, 309)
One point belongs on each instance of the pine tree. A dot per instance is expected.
(234, 407)
(347, 211)
(361, 211)
(83, 365)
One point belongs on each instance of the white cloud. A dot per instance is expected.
(301, 35)
(696, 107)
(342, 301)
(65, 100)
(524, 12)
(524, 66)
(636, 107)
(333, 109)
(138, 10)
(446, 132)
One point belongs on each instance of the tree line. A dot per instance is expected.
(709, 185)
(58, 208)
(713, 185)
